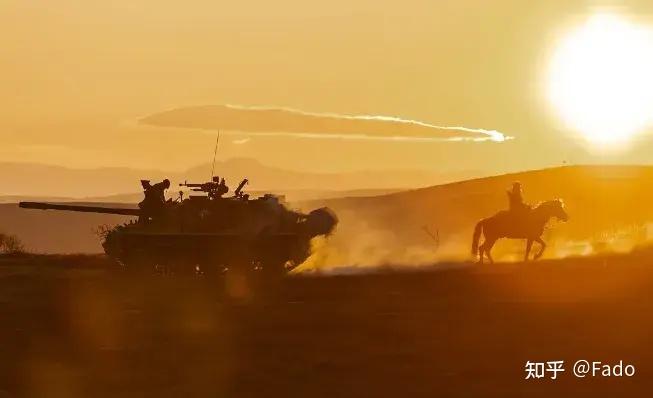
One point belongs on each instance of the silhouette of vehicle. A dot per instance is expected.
(208, 233)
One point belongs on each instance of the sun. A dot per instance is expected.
(601, 79)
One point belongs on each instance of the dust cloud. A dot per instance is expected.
(356, 246)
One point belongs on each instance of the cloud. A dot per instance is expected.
(283, 121)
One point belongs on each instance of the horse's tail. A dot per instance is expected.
(477, 235)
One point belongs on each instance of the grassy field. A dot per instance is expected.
(71, 327)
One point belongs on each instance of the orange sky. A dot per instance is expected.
(76, 76)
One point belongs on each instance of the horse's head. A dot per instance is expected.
(556, 208)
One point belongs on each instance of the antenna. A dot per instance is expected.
(215, 152)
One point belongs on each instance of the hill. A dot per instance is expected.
(609, 208)
(56, 232)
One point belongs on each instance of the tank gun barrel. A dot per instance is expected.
(79, 208)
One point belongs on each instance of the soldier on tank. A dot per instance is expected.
(155, 199)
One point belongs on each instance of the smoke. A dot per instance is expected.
(283, 121)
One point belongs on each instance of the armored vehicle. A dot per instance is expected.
(207, 232)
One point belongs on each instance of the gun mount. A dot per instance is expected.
(215, 188)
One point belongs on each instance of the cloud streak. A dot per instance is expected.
(284, 121)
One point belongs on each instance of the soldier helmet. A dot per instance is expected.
(166, 183)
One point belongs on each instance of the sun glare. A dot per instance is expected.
(601, 79)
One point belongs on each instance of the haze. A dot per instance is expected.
(78, 75)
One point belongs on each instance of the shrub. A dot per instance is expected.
(102, 231)
(10, 244)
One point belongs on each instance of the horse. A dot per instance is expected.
(527, 224)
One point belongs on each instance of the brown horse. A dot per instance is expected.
(528, 225)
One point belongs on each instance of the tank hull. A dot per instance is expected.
(207, 252)
(209, 233)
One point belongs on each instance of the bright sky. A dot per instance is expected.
(76, 76)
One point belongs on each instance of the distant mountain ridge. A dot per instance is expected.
(289, 195)
(21, 180)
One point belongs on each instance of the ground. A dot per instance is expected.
(71, 327)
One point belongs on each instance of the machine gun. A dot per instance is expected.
(215, 188)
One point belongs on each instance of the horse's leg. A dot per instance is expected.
(542, 247)
(529, 244)
(488, 248)
(481, 251)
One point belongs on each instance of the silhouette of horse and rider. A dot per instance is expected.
(520, 221)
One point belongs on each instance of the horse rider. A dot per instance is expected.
(516, 198)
